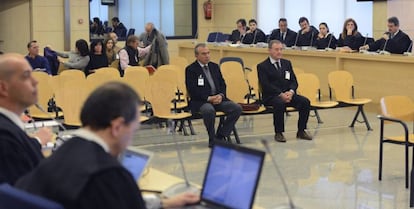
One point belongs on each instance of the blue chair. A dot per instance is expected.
(215, 37)
(131, 31)
(12, 198)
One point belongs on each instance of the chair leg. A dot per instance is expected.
(236, 136)
(406, 166)
(380, 151)
(317, 116)
(361, 110)
(412, 184)
(182, 127)
(190, 125)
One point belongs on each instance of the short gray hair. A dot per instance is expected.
(199, 45)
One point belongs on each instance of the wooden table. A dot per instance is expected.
(375, 76)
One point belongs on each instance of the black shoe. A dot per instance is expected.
(279, 137)
(303, 135)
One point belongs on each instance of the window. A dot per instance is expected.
(174, 18)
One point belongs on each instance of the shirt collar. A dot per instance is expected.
(13, 117)
(396, 33)
(90, 136)
(273, 61)
(201, 64)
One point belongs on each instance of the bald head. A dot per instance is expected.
(18, 88)
(149, 27)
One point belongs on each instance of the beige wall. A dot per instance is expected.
(15, 26)
(182, 20)
(403, 9)
(79, 12)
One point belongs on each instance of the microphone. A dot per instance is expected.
(365, 40)
(183, 186)
(59, 139)
(383, 51)
(408, 53)
(311, 41)
(291, 204)
(195, 37)
(296, 41)
(254, 37)
(328, 48)
(215, 39)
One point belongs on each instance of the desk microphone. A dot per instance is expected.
(296, 41)
(311, 41)
(408, 53)
(254, 37)
(183, 186)
(365, 40)
(215, 39)
(291, 204)
(328, 48)
(59, 139)
(383, 51)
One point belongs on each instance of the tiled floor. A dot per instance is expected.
(337, 170)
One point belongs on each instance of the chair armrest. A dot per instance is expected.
(403, 124)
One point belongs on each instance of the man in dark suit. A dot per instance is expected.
(284, 34)
(307, 34)
(19, 153)
(119, 28)
(238, 35)
(397, 41)
(207, 90)
(279, 86)
(254, 35)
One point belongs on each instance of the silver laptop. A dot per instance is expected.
(231, 178)
(136, 160)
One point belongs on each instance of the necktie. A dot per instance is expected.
(283, 36)
(278, 67)
(209, 79)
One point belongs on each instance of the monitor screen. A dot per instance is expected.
(232, 177)
(135, 163)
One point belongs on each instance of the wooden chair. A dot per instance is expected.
(309, 87)
(95, 80)
(237, 86)
(162, 91)
(115, 64)
(45, 93)
(113, 72)
(341, 82)
(138, 77)
(74, 94)
(396, 110)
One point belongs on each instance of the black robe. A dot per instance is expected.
(19, 153)
(81, 175)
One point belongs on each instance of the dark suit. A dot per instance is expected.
(254, 37)
(19, 153)
(199, 94)
(322, 43)
(307, 39)
(273, 83)
(396, 45)
(236, 36)
(290, 37)
(353, 41)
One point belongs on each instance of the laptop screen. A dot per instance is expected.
(135, 161)
(232, 176)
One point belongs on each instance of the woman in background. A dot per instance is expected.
(78, 59)
(109, 50)
(325, 39)
(350, 38)
(97, 56)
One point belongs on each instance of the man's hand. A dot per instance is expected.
(216, 99)
(44, 135)
(180, 200)
(285, 97)
(320, 35)
(365, 47)
(386, 36)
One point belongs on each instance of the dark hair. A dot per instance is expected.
(394, 20)
(241, 21)
(252, 21)
(30, 43)
(94, 43)
(344, 31)
(115, 19)
(131, 39)
(1, 52)
(302, 19)
(282, 20)
(108, 102)
(97, 20)
(326, 25)
(82, 47)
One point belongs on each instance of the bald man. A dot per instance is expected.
(19, 153)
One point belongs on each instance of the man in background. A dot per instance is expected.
(38, 63)
(119, 28)
(237, 36)
(284, 34)
(307, 34)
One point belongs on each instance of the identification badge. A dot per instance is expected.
(287, 75)
(200, 81)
